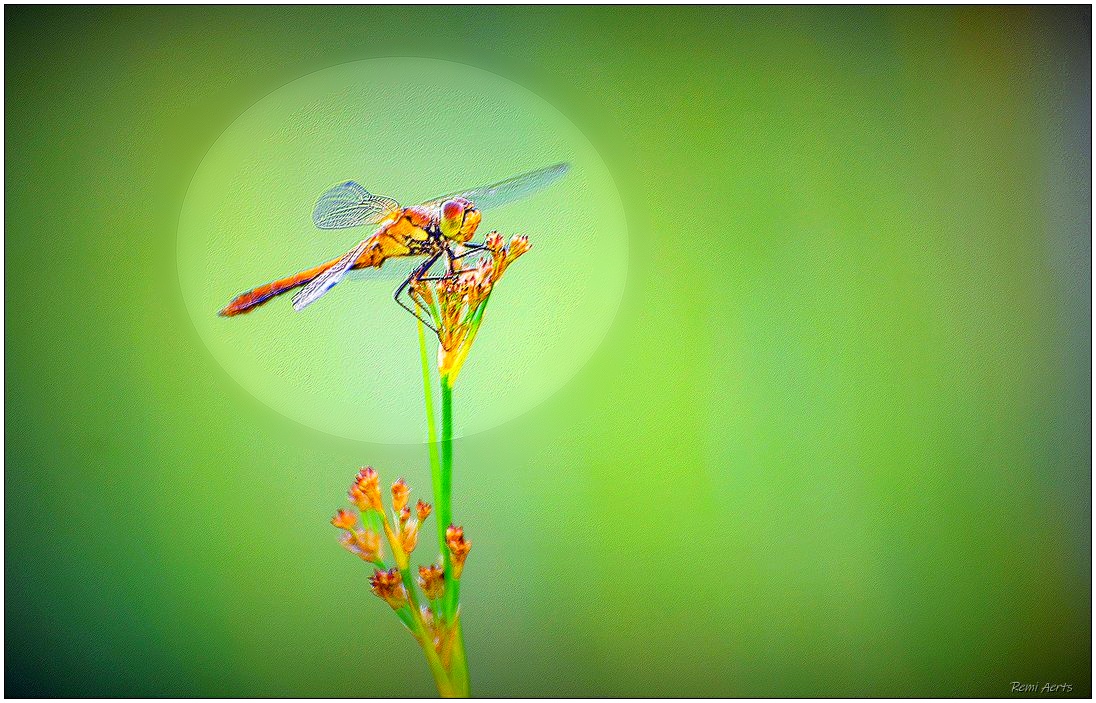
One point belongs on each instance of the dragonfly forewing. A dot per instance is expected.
(509, 190)
(351, 205)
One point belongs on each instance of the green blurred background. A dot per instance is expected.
(836, 442)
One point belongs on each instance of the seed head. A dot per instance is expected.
(432, 581)
(387, 585)
(458, 548)
(344, 520)
(423, 509)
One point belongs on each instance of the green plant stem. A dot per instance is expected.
(426, 640)
(466, 346)
(441, 474)
(441, 677)
(431, 429)
(459, 665)
(418, 627)
(445, 495)
(442, 508)
(405, 616)
(371, 519)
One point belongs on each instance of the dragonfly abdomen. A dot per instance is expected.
(246, 302)
(382, 247)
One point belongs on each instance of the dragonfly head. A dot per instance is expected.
(459, 219)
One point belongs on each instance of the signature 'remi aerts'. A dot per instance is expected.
(440, 227)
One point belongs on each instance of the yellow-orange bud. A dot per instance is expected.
(399, 495)
(366, 492)
(344, 520)
(358, 497)
(423, 510)
(409, 537)
(369, 542)
(519, 244)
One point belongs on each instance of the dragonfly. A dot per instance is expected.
(440, 227)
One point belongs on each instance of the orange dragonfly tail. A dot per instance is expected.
(246, 302)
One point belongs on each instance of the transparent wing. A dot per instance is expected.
(350, 205)
(504, 192)
(327, 280)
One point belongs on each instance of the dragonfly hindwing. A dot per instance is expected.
(327, 280)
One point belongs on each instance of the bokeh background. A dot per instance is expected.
(836, 442)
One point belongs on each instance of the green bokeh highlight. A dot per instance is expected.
(413, 128)
(835, 443)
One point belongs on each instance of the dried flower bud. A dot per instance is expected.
(404, 516)
(344, 520)
(369, 542)
(409, 537)
(423, 509)
(493, 241)
(432, 581)
(399, 495)
(389, 586)
(365, 544)
(428, 620)
(458, 548)
(366, 492)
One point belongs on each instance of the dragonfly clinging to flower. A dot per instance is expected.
(443, 226)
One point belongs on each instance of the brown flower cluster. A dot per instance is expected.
(458, 548)
(388, 584)
(394, 585)
(432, 581)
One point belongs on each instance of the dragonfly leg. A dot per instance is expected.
(472, 248)
(414, 276)
(450, 268)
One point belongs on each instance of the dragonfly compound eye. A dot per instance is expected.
(452, 217)
(452, 210)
